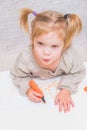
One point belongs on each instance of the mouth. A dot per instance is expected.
(46, 60)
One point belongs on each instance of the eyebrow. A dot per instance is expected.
(57, 43)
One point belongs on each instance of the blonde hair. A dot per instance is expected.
(65, 25)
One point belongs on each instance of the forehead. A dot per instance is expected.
(51, 37)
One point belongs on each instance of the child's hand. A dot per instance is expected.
(64, 100)
(34, 96)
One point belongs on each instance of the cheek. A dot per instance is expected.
(57, 53)
(37, 50)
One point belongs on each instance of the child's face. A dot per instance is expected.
(48, 49)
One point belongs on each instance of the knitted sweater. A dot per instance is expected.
(70, 69)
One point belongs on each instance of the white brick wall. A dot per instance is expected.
(12, 39)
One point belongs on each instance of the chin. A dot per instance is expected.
(46, 65)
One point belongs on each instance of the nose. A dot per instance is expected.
(46, 51)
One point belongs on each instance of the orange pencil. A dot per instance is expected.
(35, 87)
(85, 88)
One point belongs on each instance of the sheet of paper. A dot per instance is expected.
(18, 113)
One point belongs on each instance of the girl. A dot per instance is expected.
(49, 55)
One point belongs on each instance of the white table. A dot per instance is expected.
(18, 113)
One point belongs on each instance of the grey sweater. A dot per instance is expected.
(70, 69)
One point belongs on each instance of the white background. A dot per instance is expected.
(18, 113)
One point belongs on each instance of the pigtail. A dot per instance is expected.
(24, 19)
(74, 26)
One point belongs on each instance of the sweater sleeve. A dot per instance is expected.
(73, 72)
(21, 73)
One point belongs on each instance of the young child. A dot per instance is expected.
(49, 54)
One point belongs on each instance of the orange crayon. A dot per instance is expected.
(85, 88)
(35, 87)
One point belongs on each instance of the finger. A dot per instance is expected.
(65, 107)
(56, 100)
(68, 106)
(71, 102)
(35, 99)
(37, 94)
(60, 106)
(38, 99)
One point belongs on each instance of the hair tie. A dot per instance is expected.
(34, 13)
(66, 16)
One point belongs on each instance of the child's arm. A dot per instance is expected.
(73, 71)
(20, 72)
(21, 82)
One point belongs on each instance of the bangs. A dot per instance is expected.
(43, 28)
(39, 29)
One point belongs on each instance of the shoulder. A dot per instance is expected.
(70, 60)
(71, 55)
(25, 53)
(24, 57)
